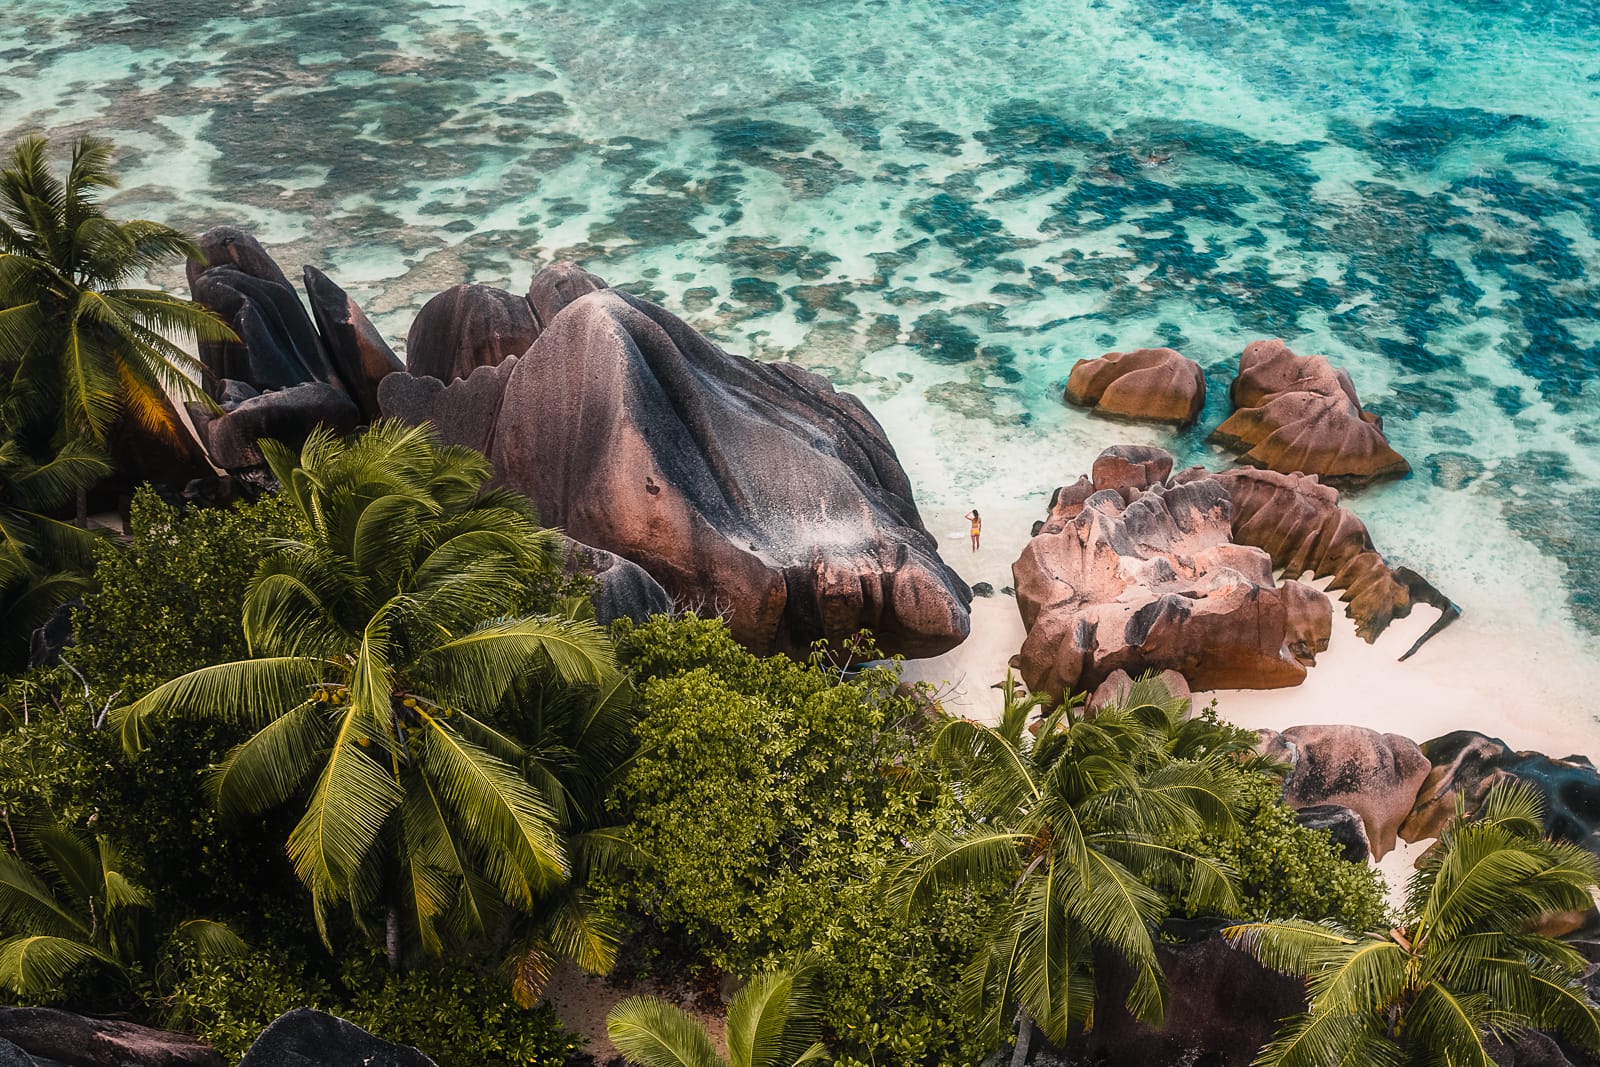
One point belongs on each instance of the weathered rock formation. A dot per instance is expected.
(622, 588)
(79, 1041)
(749, 488)
(308, 1038)
(558, 285)
(1468, 764)
(1139, 579)
(1297, 521)
(1297, 413)
(1376, 775)
(1119, 686)
(466, 327)
(290, 383)
(361, 357)
(1155, 384)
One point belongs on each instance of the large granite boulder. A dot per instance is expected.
(1467, 764)
(1376, 775)
(79, 1041)
(13, 1056)
(1222, 1007)
(466, 327)
(751, 489)
(279, 355)
(558, 285)
(308, 1038)
(361, 357)
(1154, 384)
(1298, 413)
(1157, 583)
(1297, 520)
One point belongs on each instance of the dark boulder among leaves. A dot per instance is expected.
(79, 1041)
(361, 357)
(1375, 775)
(749, 488)
(308, 1038)
(1343, 824)
(622, 588)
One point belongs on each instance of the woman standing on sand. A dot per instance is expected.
(977, 527)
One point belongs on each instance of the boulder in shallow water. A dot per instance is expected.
(308, 1038)
(1297, 413)
(1376, 775)
(79, 1041)
(747, 488)
(1153, 384)
(466, 327)
(1156, 584)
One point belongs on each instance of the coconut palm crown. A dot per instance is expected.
(78, 344)
(1075, 825)
(1465, 965)
(383, 640)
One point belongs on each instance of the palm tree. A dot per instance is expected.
(76, 909)
(1074, 826)
(771, 1023)
(1465, 964)
(43, 561)
(79, 346)
(385, 639)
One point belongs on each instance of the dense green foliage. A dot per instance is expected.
(1288, 869)
(1463, 964)
(771, 1023)
(772, 800)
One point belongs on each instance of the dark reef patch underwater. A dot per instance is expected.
(943, 205)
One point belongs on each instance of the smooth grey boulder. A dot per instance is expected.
(305, 1037)
(12, 1056)
(466, 327)
(286, 415)
(622, 588)
(558, 285)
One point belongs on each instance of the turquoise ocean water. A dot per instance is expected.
(942, 204)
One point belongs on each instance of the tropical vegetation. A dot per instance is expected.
(771, 1022)
(1466, 964)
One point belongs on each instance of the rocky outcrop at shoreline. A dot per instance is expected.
(751, 489)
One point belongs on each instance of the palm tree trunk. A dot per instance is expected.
(1019, 1056)
(392, 939)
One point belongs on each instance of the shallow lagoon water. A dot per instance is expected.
(942, 204)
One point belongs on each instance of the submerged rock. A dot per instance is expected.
(1156, 384)
(1298, 413)
(1156, 582)
(1375, 775)
(308, 1038)
(747, 488)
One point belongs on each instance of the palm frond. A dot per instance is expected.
(653, 1033)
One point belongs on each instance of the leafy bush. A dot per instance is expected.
(773, 800)
(1286, 869)
(459, 1015)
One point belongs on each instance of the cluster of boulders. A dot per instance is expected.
(1291, 414)
(685, 474)
(1138, 568)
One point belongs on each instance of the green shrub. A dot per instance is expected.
(1288, 870)
(773, 800)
